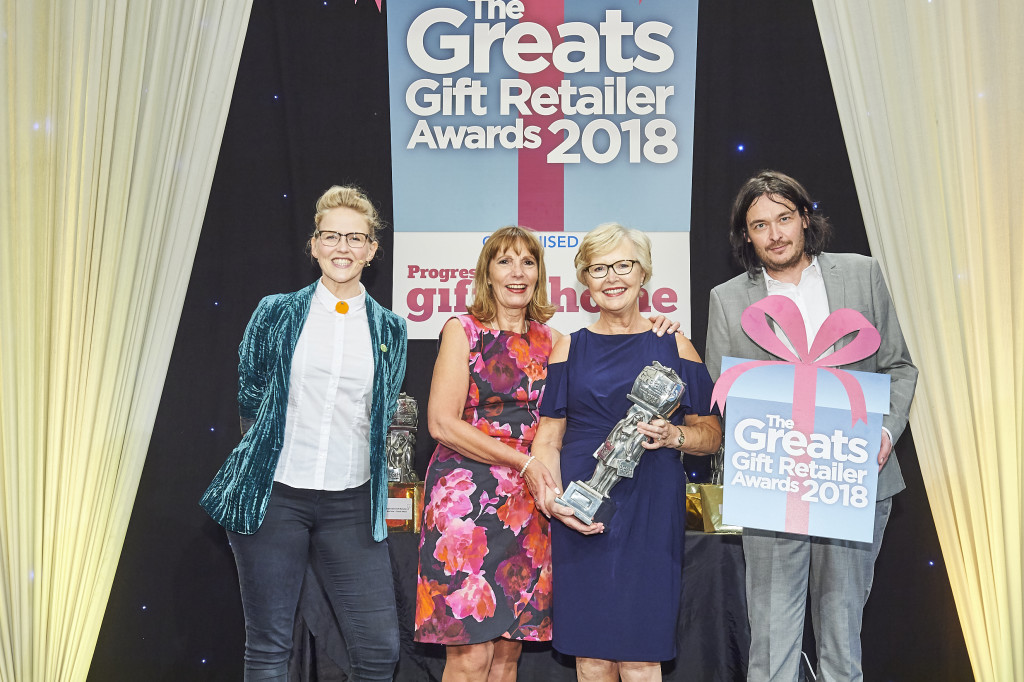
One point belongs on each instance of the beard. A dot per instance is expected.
(793, 256)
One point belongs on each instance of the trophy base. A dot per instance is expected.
(405, 507)
(584, 501)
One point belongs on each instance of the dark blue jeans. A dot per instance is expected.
(333, 529)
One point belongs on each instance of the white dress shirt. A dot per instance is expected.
(810, 297)
(327, 423)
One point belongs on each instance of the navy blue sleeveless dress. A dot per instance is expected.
(616, 594)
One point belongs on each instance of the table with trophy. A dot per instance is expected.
(712, 632)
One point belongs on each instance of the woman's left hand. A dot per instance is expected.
(663, 325)
(662, 434)
(566, 516)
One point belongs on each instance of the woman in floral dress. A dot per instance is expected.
(485, 570)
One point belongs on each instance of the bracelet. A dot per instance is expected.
(680, 439)
(523, 470)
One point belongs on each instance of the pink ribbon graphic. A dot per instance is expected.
(806, 364)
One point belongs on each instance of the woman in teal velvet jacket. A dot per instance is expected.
(320, 370)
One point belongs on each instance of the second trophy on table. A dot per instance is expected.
(405, 489)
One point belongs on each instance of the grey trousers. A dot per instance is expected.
(782, 570)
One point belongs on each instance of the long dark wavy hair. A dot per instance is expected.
(775, 186)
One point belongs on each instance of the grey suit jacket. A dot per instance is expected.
(851, 281)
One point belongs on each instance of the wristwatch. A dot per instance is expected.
(681, 439)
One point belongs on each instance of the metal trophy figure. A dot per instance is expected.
(655, 393)
(401, 442)
(405, 489)
(718, 465)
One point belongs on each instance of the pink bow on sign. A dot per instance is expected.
(806, 364)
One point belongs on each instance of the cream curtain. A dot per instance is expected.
(931, 95)
(109, 132)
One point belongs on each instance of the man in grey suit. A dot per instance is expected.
(778, 236)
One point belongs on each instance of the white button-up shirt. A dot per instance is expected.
(327, 424)
(809, 296)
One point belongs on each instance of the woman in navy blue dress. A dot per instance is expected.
(617, 583)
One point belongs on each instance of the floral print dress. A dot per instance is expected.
(485, 558)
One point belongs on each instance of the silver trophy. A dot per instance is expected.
(718, 465)
(656, 393)
(401, 442)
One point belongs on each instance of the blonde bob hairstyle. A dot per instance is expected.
(510, 238)
(354, 198)
(605, 238)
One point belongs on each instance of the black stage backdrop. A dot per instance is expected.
(310, 109)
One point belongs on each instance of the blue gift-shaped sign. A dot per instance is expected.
(801, 435)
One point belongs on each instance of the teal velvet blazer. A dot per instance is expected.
(238, 496)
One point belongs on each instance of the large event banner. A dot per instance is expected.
(557, 115)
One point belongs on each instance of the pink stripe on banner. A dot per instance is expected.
(542, 185)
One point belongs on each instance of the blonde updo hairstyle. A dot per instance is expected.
(510, 238)
(605, 238)
(344, 196)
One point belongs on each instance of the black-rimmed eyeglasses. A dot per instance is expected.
(599, 270)
(354, 239)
